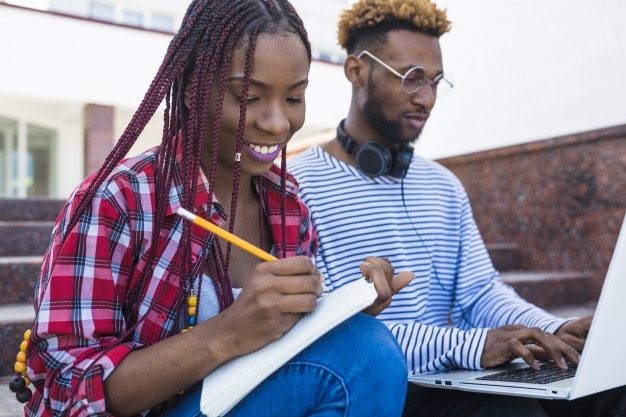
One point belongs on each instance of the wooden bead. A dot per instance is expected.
(192, 310)
(24, 346)
(21, 356)
(17, 384)
(192, 301)
(27, 335)
(19, 367)
(24, 395)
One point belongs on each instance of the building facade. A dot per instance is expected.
(75, 70)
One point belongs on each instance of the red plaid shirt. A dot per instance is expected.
(80, 302)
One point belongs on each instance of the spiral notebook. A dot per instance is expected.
(231, 382)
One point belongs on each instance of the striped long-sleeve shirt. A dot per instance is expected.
(424, 224)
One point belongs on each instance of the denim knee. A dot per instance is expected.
(364, 353)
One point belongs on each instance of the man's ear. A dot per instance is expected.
(354, 69)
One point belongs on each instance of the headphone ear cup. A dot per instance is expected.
(373, 159)
(403, 160)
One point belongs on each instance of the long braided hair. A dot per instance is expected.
(196, 61)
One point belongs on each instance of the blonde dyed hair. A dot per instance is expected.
(369, 21)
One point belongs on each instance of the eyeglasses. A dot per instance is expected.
(415, 78)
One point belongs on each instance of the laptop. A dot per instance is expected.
(600, 368)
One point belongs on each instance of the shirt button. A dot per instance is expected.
(194, 258)
(162, 317)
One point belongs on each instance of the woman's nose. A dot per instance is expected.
(274, 121)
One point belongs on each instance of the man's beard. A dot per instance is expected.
(390, 130)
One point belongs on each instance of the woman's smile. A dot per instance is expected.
(263, 153)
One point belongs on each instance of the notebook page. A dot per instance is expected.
(231, 382)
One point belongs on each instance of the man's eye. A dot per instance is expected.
(435, 83)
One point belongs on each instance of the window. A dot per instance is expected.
(162, 22)
(27, 160)
(132, 18)
(40, 161)
(8, 157)
(102, 11)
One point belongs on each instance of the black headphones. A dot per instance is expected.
(374, 159)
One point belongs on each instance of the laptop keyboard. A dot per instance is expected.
(548, 373)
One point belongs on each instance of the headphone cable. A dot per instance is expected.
(432, 261)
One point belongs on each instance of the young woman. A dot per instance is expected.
(135, 306)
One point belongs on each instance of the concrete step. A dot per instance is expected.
(18, 276)
(29, 209)
(552, 289)
(24, 238)
(505, 256)
(571, 311)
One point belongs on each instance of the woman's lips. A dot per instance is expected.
(263, 153)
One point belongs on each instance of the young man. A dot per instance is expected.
(369, 195)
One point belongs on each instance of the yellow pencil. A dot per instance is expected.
(226, 235)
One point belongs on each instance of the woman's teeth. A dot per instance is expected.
(263, 149)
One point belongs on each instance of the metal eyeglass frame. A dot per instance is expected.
(432, 83)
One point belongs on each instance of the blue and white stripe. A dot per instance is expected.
(424, 224)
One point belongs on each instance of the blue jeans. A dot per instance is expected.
(356, 369)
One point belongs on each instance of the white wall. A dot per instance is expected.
(524, 70)
(47, 57)
(528, 70)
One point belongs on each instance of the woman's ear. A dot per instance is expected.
(354, 70)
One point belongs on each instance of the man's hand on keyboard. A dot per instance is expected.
(506, 343)
(574, 332)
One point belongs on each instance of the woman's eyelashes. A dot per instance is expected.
(249, 99)
(254, 99)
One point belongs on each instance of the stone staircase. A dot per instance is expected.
(563, 293)
(25, 226)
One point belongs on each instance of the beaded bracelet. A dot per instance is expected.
(192, 307)
(19, 384)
